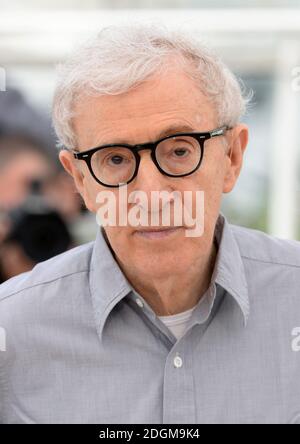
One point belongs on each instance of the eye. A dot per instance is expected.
(181, 152)
(116, 160)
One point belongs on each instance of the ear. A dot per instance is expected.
(67, 160)
(237, 143)
(79, 175)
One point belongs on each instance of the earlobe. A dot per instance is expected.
(229, 182)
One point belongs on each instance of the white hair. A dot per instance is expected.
(120, 57)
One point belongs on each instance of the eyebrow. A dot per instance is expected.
(173, 129)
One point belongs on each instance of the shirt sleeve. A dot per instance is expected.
(3, 385)
(2, 391)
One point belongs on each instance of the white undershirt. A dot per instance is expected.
(177, 323)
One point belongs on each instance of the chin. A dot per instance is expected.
(170, 261)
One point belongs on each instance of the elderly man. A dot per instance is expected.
(149, 323)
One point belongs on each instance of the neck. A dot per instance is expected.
(174, 294)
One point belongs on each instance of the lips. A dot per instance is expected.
(153, 229)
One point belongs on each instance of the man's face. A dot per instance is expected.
(141, 115)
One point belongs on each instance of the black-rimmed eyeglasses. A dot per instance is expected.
(177, 155)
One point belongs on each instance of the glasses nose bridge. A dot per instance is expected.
(145, 146)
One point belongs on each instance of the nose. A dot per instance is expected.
(157, 188)
(149, 178)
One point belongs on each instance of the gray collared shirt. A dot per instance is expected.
(79, 345)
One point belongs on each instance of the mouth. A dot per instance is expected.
(157, 233)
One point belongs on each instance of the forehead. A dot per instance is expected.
(143, 113)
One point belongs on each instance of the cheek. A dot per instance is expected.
(208, 182)
(94, 194)
(212, 176)
(206, 187)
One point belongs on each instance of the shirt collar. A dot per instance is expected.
(108, 284)
(229, 270)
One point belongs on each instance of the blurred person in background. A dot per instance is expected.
(147, 324)
(33, 227)
(19, 117)
(21, 161)
(26, 156)
(26, 152)
(33, 232)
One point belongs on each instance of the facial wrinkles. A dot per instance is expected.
(139, 129)
(146, 133)
(142, 113)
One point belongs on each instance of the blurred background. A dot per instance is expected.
(40, 212)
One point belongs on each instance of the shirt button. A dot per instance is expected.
(178, 361)
(139, 303)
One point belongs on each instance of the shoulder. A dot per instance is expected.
(70, 263)
(258, 246)
(272, 273)
(36, 304)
